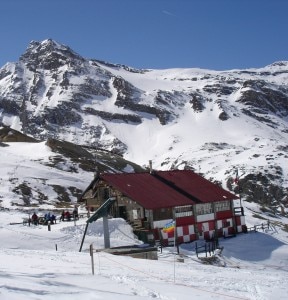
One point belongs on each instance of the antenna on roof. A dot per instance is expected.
(150, 166)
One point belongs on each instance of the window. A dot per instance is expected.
(222, 206)
(204, 209)
(103, 193)
(162, 214)
(226, 224)
(183, 211)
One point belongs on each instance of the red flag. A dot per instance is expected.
(236, 180)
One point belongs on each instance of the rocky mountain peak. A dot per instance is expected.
(279, 64)
(48, 55)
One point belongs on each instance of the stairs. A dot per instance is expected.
(137, 225)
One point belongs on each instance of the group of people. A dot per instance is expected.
(51, 218)
(48, 219)
(67, 216)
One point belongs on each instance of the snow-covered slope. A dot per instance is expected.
(50, 173)
(211, 121)
(41, 264)
(28, 178)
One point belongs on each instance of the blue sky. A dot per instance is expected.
(156, 34)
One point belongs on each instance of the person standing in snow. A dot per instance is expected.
(34, 219)
(75, 213)
(62, 215)
(68, 215)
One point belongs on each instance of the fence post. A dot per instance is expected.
(92, 258)
(196, 249)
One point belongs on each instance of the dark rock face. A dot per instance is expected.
(113, 116)
(223, 116)
(260, 188)
(197, 102)
(219, 89)
(262, 100)
(9, 135)
(9, 107)
(48, 55)
(128, 97)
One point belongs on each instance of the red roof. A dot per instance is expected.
(162, 189)
(196, 185)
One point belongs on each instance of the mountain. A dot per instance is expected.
(217, 123)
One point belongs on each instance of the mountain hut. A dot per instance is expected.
(149, 201)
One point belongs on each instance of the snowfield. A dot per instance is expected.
(41, 264)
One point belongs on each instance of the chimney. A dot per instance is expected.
(150, 166)
(96, 173)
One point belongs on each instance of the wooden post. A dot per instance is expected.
(106, 232)
(92, 258)
(83, 236)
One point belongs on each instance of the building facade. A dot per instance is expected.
(199, 208)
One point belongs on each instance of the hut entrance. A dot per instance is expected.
(123, 212)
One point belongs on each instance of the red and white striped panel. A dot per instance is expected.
(206, 226)
(240, 223)
(225, 226)
(226, 223)
(185, 234)
(167, 237)
(206, 230)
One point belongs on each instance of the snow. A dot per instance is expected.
(251, 266)
(29, 163)
(40, 264)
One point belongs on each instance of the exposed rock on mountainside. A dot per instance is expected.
(214, 122)
(90, 159)
(9, 135)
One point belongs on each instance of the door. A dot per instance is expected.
(123, 212)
